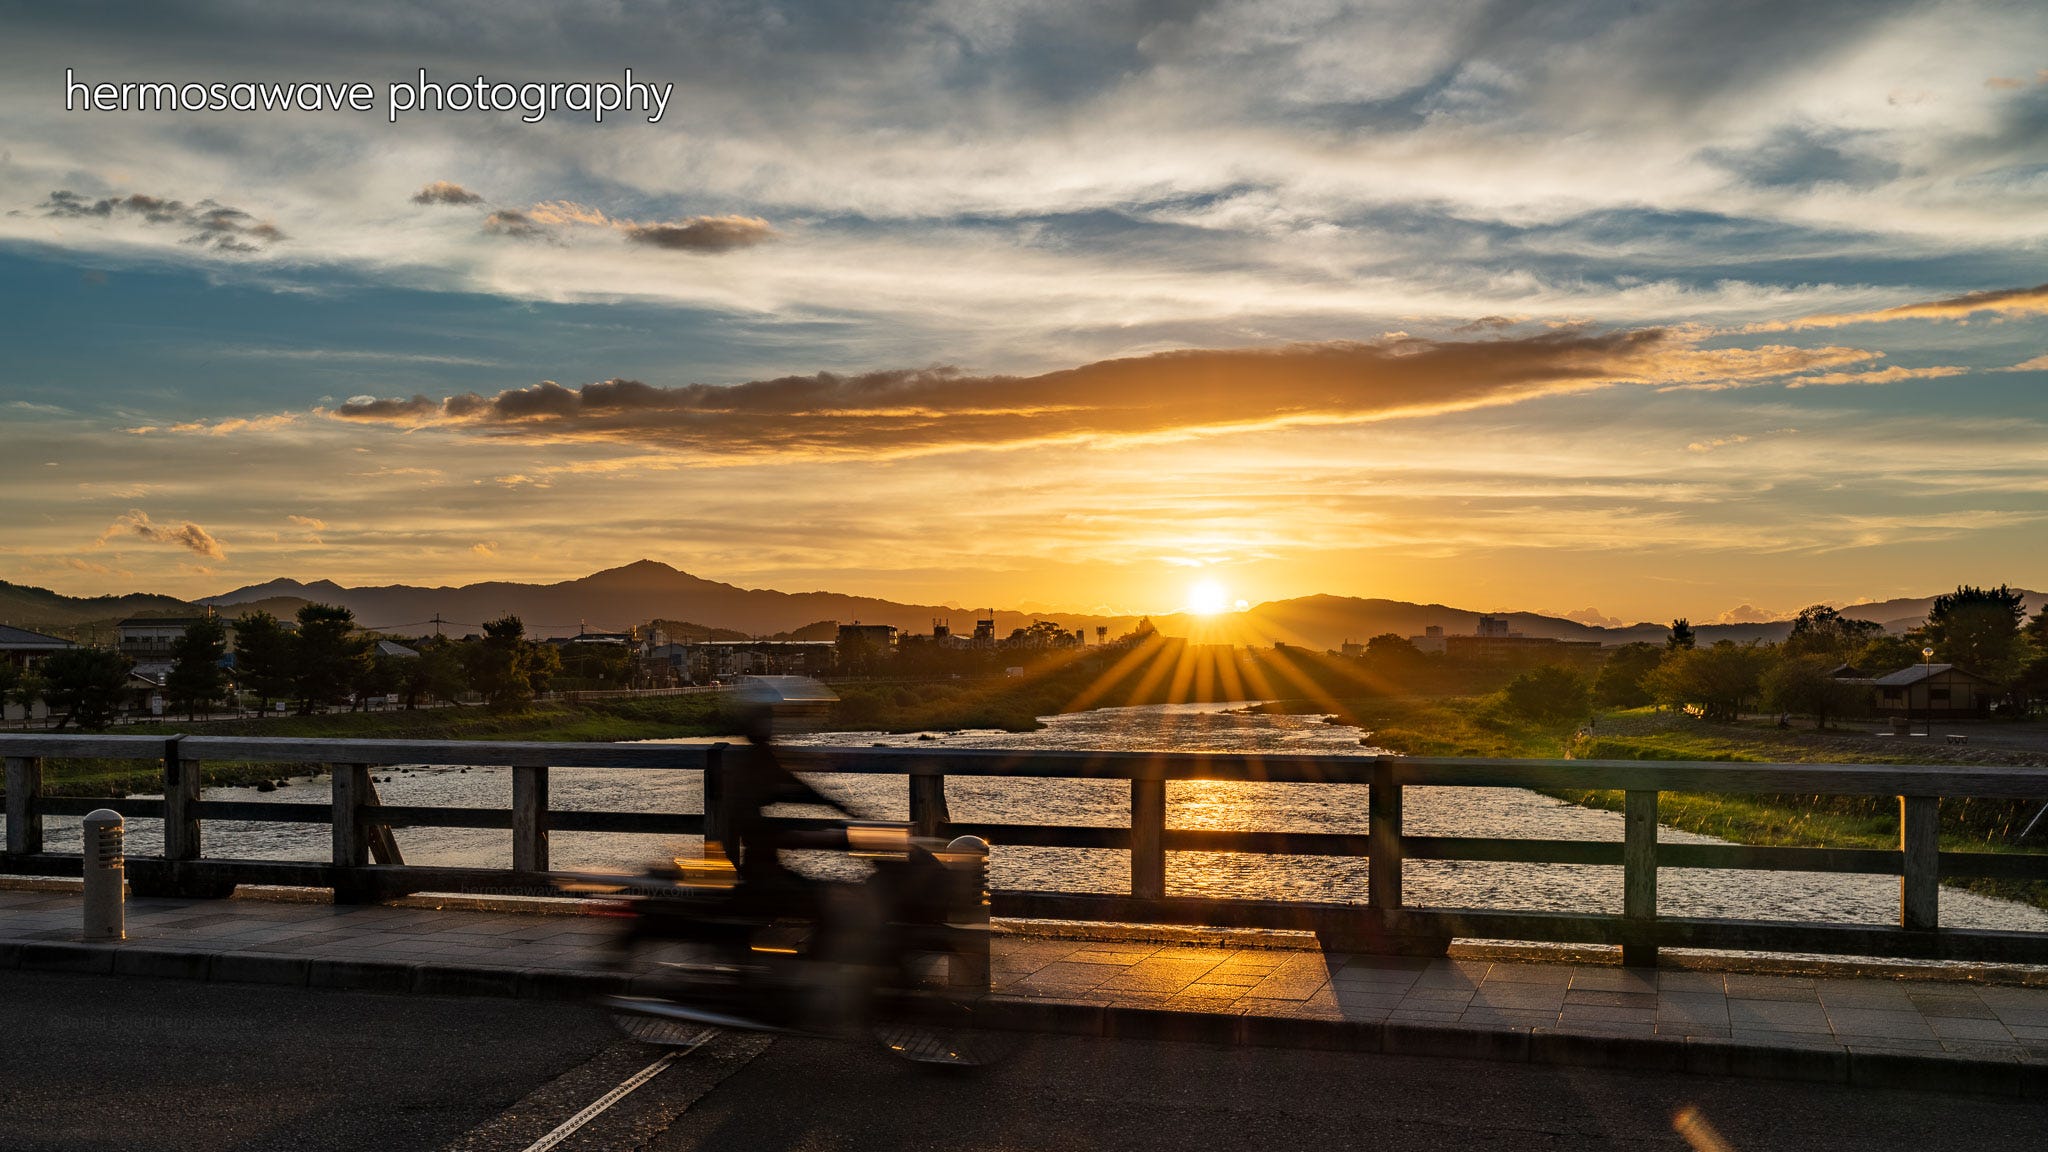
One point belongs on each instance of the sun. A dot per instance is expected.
(1207, 598)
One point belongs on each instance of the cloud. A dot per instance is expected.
(1877, 375)
(915, 411)
(2001, 302)
(209, 224)
(514, 223)
(445, 192)
(313, 523)
(187, 535)
(1748, 614)
(1711, 445)
(1596, 618)
(485, 547)
(2036, 364)
(703, 234)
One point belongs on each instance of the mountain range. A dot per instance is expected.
(618, 598)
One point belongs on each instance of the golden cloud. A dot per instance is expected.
(1163, 395)
(2000, 302)
(187, 535)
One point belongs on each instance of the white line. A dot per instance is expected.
(568, 1127)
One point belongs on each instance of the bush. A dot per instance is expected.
(1548, 693)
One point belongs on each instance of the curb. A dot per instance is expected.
(1832, 1064)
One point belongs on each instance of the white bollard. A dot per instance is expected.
(968, 967)
(106, 875)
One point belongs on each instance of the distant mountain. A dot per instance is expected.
(1899, 615)
(618, 598)
(41, 610)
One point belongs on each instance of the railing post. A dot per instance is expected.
(1639, 870)
(1148, 839)
(1383, 840)
(529, 819)
(24, 788)
(1920, 875)
(181, 792)
(351, 835)
(714, 801)
(928, 814)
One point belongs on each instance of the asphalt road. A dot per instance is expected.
(94, 1063)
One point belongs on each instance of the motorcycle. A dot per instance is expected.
(898, 956)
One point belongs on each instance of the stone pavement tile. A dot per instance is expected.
(1776, 1039)
(1989, 1050)
(1691, 982)
(1602, 1028)
(2022, 1017)
(1451, 996)
(1407, 1016)
(1387, 977)
(1615, 980)
(1891, 1043)
(1777, 1014)
(1550, 996)
(1412, 965)
(1615, 999)
(1868, 994)
(1682, 1028)
(1967, 1028)
(2027, 1034)
(1454, 974)
(1745, 986)
(1077, 993)
(1879, 1022)
(1158, 976)
(1364, 1001)
(1490, 1018)
(1073, 972)
(1322, 1002)
(1220, 975)
(1697, 1009)
(1951, 1003)
(1218, 992)
(1546, 975)
(1604, 1014)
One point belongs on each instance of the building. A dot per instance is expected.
(725, 660)
(1431, 640)
(1935, 692)
(22, 648)
(863, 647)
(149, 639)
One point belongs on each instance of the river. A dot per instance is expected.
(1508, 812)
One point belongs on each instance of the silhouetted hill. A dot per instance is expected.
(42, 610)
(618, 598)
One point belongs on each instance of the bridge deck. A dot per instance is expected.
(467, 950)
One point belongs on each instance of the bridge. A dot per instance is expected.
(1385, 979)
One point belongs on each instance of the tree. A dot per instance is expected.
(1806, 685)
(380, 676)
(197, 678)
(1620, 684)
(1979, 629)
(1886, 653)
(437, 674)
(10, 685)
(329, 658)
(1717, 680)
(504, 664)
(1681, 635)
(1549, 693)
(86, 685)
(1822, 631)
(263, 658)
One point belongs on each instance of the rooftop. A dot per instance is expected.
(19, 638)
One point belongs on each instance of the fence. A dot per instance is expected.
(366, 862)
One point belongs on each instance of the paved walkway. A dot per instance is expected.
(1509, 1007)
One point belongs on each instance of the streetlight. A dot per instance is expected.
(1927, 670)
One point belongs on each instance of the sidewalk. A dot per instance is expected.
(1902, 1033)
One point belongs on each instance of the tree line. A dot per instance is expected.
(320, 660)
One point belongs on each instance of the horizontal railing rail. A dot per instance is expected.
(366, 861)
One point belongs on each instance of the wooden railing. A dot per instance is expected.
(366, 862)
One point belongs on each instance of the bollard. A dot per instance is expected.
(968, 966)
(105, 875)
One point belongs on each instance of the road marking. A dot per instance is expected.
(567, 1128)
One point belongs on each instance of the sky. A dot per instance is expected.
(1616, 310)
